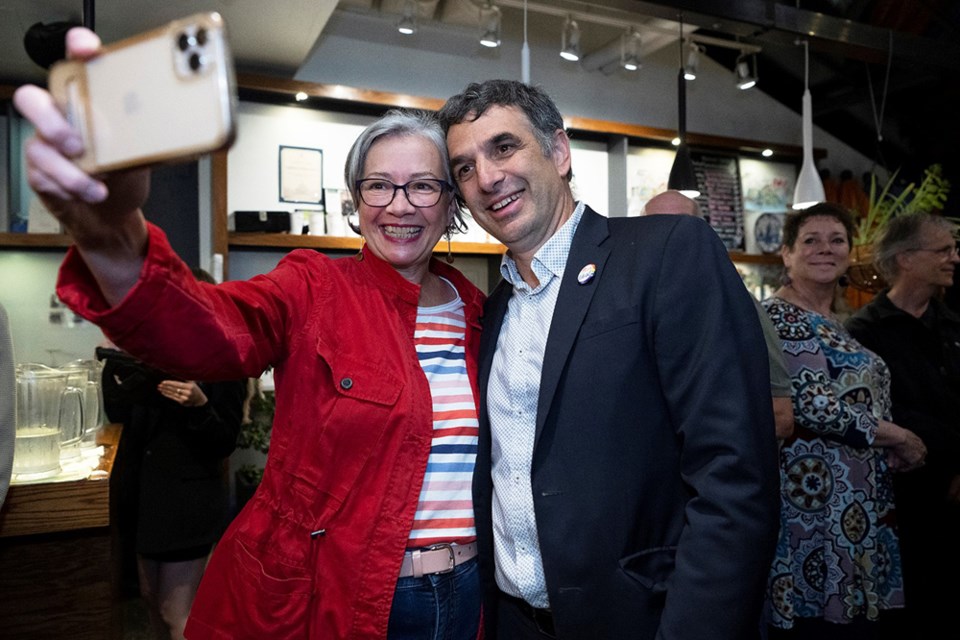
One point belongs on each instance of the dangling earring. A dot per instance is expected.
(785, 278)
(449, 250)
(843, 281)
(359, 256)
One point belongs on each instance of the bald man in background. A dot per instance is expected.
(675, 203)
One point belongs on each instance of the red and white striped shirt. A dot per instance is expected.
(445, 508)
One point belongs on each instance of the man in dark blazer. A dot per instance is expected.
(626, 482)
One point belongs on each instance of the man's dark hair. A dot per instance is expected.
(534, 102)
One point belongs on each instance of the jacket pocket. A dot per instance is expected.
(247, 594)
(651, 567)
(348, 425)
(610, 320)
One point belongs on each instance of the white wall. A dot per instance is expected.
(28, 281)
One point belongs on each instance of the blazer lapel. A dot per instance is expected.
(572, 304)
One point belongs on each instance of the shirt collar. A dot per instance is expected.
(550, 259)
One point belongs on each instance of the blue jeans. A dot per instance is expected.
(440, 606)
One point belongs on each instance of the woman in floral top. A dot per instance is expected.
(838, 560)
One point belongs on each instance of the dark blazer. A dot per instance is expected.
(655, 480)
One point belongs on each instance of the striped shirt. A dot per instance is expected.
(445, 508)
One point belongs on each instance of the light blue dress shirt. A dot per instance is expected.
(512, 394)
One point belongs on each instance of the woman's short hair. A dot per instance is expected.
(796, 219)
(399, 122)
(903, 233)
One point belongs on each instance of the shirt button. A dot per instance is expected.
(346, 384)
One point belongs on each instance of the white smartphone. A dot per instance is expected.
(164, 95)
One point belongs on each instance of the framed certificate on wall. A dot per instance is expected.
(301, 175)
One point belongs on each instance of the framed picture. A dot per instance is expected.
(301, 175)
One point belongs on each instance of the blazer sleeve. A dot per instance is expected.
(712, 361)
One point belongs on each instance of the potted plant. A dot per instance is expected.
(254, 436)
(929, 196)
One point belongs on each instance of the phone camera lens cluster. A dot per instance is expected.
(192, 44)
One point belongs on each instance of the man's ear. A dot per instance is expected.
(561, 152)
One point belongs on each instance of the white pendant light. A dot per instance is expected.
(809, 190)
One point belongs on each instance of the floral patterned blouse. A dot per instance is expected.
(838, 557)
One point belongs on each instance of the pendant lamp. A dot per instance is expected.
(683, 178)
(809, 190)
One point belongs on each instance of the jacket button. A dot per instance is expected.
(346, 383)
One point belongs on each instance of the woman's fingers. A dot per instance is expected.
(37, 106)
(82, 43)
(49, 172)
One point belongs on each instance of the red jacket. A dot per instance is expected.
(317, 551)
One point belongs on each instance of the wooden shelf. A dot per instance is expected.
(38, 240)
(287, 241)
(767, 258)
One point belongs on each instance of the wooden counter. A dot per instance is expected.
(59, 556)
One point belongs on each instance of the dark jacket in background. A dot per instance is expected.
(172, 459)
(924, 359)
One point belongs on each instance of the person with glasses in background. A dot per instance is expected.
(363, 524)
(919, 339)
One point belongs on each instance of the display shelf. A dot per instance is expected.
(287, 241)
(753, 258)
(37, 240)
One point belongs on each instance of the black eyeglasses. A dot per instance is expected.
(423, 192)
(943, 252)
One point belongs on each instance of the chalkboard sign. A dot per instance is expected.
(720, 198)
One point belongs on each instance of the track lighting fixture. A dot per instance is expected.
(693, 61)
(570, 42)
(408, 18)
(746, 71)
(490, 25)
(630, 50)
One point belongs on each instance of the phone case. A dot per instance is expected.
(167, 94)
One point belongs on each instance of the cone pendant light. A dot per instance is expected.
(809, 189)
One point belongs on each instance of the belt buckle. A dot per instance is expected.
(449, 547)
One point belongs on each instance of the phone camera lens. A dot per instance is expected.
(196, 61)
(201, 37)
(183, 41)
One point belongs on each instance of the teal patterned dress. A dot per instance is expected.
(838, 557)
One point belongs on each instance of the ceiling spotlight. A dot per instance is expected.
(630, 50)
(490, 25)
(693, 61)
(766, 153)
(676, 141)
(408, 19)
(570, 43)
(746, 70)
(301, 96)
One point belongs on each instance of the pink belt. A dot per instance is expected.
(439, 558)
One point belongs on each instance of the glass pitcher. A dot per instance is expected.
(49, 416)
(93, 411)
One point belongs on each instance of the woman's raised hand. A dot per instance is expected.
(101, 213)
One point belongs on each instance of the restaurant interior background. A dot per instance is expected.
(871, 62)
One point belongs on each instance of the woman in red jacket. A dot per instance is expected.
(363, 525)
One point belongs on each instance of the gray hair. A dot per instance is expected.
(399, 122)
(534, 102)
(901, 234)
